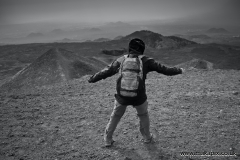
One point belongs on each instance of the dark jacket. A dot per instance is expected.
(149, 65)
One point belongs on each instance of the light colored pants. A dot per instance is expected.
(119, 110)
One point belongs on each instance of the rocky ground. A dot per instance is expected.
(194, 112)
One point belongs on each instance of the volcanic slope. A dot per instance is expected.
(159, 41)
(197, 64)
(13, 58)
(197, 111)
(56, 65)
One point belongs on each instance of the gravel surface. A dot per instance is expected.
(197, 111)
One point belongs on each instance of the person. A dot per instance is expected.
(123, 98)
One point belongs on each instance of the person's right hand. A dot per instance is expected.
(183, 70)
(90, 80)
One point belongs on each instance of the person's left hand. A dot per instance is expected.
(90, 80)
(183, 70)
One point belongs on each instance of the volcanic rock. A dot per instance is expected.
(158, 41)
(114, 52)
(56, 65)
(197, 64)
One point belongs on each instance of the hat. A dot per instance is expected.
(136, 45)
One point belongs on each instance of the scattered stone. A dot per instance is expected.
(78, 136)
(40, 140)
(11, 154)
(235, 93)
(77, 140)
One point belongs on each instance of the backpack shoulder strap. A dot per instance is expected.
(122, 59)
(140, 58)
(146, 58)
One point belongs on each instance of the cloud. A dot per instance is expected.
(22, 11)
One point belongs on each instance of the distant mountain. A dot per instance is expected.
(197, 64)
(217, 30)
(34, 35)
(115, 52)
(92, 29)
(101, 40)
(95, 29)
(158, 41)
(65, 40)
(118, 37)
(201, 36)
(117, 24)
(57, 31)
(56, 65)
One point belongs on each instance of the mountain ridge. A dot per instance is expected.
(54, 66)
(217, 30)
(157, 41)
(16, 57)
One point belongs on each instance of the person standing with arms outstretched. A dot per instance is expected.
(132, 69)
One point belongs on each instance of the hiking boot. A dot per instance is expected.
(109, 143)
(150, 140)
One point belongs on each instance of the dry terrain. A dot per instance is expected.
(50, 111)
(194, 112)
(169, 50)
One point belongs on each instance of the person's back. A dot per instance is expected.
(128, 97)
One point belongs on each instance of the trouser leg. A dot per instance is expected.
(115, 117)
(142, 111)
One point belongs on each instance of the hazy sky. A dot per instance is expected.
(23, 11)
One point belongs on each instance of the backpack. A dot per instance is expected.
(130, 80)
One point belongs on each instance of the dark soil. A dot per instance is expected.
(194, 112)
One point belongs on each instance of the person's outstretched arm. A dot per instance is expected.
(109, 71)
(158, 67)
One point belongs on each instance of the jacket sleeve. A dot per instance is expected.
(156, 66)
(108, 71)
